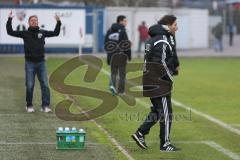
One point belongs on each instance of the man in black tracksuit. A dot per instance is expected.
(160, 64)
(118, 49)
(34, 41)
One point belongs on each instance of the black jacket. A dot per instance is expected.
(34, 40)
(116, 41)
(160, 62)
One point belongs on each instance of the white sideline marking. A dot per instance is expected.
(236, 125)
(115, 142)
(211, 144)
(204, 115)
(111, 138)
(223, 150)
(208, 117)
(214, 145)
(181, 105)
(199, 113)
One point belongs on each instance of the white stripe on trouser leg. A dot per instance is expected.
(167, 126)
(164, 103)
(166, 120)
(164, 110)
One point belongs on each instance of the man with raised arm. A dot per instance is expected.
(34, 41)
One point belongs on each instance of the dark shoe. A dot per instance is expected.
(139, 139)
(168, 147)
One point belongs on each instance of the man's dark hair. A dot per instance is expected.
(120, 18)
(32, 17)
(167, 20)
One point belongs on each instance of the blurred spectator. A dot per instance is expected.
(143, 35)
(33, 1)
(231, 30)
(218, 33)
(17, 2)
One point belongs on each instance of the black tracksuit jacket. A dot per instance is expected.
(116, 41)
(160, 61)
(34, 40)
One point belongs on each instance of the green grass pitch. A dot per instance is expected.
(208, 85)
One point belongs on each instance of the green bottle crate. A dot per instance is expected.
(71, 139)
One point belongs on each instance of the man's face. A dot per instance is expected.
(33, 22)
(124, 22)
(173, 28)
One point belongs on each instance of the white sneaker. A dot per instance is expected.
(46, 110)
(113, 90)
(30, 109)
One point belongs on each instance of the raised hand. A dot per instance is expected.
(10, 15)
(57, 17)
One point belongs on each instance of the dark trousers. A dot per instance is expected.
(31, 70)
(231, 39)
(118, 73)
(160, 111)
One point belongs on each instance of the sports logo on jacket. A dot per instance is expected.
(40, 35)
(148, 47)
(114, 36)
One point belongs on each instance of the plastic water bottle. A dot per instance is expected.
(73, 138)
(66, 129)
(68, 138)
(60, 129)
(82, 135)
